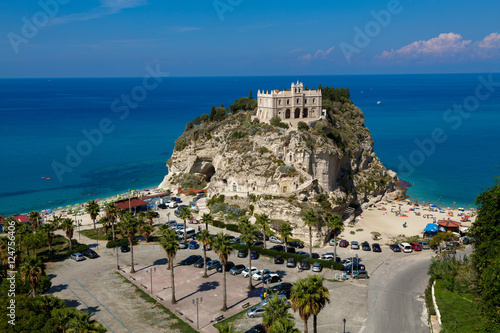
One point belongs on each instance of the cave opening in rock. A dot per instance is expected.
(208, 171)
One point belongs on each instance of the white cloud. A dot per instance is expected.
(320, 54)
(443, 46)
(107, 7)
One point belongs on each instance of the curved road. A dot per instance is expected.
(396, 295)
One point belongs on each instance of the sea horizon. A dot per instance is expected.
(43, 118)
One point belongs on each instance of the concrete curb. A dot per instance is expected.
(435, 304)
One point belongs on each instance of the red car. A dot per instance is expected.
(416, 246)
(344, 243)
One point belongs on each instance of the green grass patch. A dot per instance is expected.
(180, 325)
(458, 313)
(102, 236)
(60, 249)
(352, 232)
(359, 230)
(232, 319)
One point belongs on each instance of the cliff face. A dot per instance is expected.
(238, 156)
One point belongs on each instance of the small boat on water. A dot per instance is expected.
(379, 102)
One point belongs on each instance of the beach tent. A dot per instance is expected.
(431, 230)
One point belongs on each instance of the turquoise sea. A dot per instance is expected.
(439, 131)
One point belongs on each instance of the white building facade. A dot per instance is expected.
(295, 104)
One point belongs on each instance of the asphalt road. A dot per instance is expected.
(396, 296)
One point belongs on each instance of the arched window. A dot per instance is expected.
(305, 101)
(287, 102)
(280, 102)
(314, 100)
(298, 101)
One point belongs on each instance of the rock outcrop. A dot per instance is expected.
(244, 158)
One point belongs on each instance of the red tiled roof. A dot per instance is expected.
(19, 218)
(449, 224)
(134, 202)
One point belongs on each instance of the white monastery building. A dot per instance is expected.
(289, 105)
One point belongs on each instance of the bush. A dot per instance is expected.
(219, 224)
(232, 227)
(283, 125)
(302, 126)
(275, 121)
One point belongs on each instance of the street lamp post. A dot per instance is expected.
(196, 302)
(151, 270)
(344, 324)
(117, 263)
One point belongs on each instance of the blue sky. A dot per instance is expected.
(120, 38)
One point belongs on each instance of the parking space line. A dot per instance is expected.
(88, 307)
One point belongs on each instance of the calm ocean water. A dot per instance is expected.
(44, 120)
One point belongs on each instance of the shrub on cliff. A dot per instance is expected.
(302, 126)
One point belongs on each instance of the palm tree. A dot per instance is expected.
(283, 326)
(248, 237)
(34, 241)
(205, 239)
(223, 247)
(336, 224)
(207, 219)
(225, 328)
(185, 213)
(34, 219)
(321, 297)
(93, 209)
(49, 230)
(275, 310)
(310, 218)
(82, 322)
(302, 300)
(150, 215)
(146, 231)
(129, 226)
(68, 227)
(31, 271)
(170, 244)
(105, 225)
(56, 221)
(285, 232)
(111, 213)
(263, 222)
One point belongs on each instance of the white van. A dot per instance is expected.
(190, 232)
(405, 247)
(172, 204)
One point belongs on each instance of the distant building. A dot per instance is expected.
(295, 104)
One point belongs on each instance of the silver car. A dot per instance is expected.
(257, 311)
(317, 267)
(425, 245)
(355, 245)
(77, 256)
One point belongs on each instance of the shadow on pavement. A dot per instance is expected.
(209, 285)
(56, 289)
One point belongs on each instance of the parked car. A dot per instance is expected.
(280, 248)
(125, 248)
(298, 244)
(266, 300)
(200, 263)
(90, 254)
(353, 267)
(193, 245)
(190, 260)
(274, 239)
(290, 262)
(258, 244)
(249, 271)
(449, 249)
(376, 247)
(260, 236)
(302, 253)
(278, 260)
(360, 274)
(290, 250)
(332, 242)
(366, 246)
(354, 245)
(395, 248)
(229, 265)
(237, 269)
(183, 245)
(285, 292)
(317, 267)
(281, 286)
(416, 246)
(235, 240)
(271, 278)
(257, 276)
(257, 311)
(242, 253)
(171, 223)
(315, 255)
(254, 255)
(344, 243)
(212, 264)
(405, 247)
(77, 256)
(304, 265)
(454, 244)
(424, 245)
